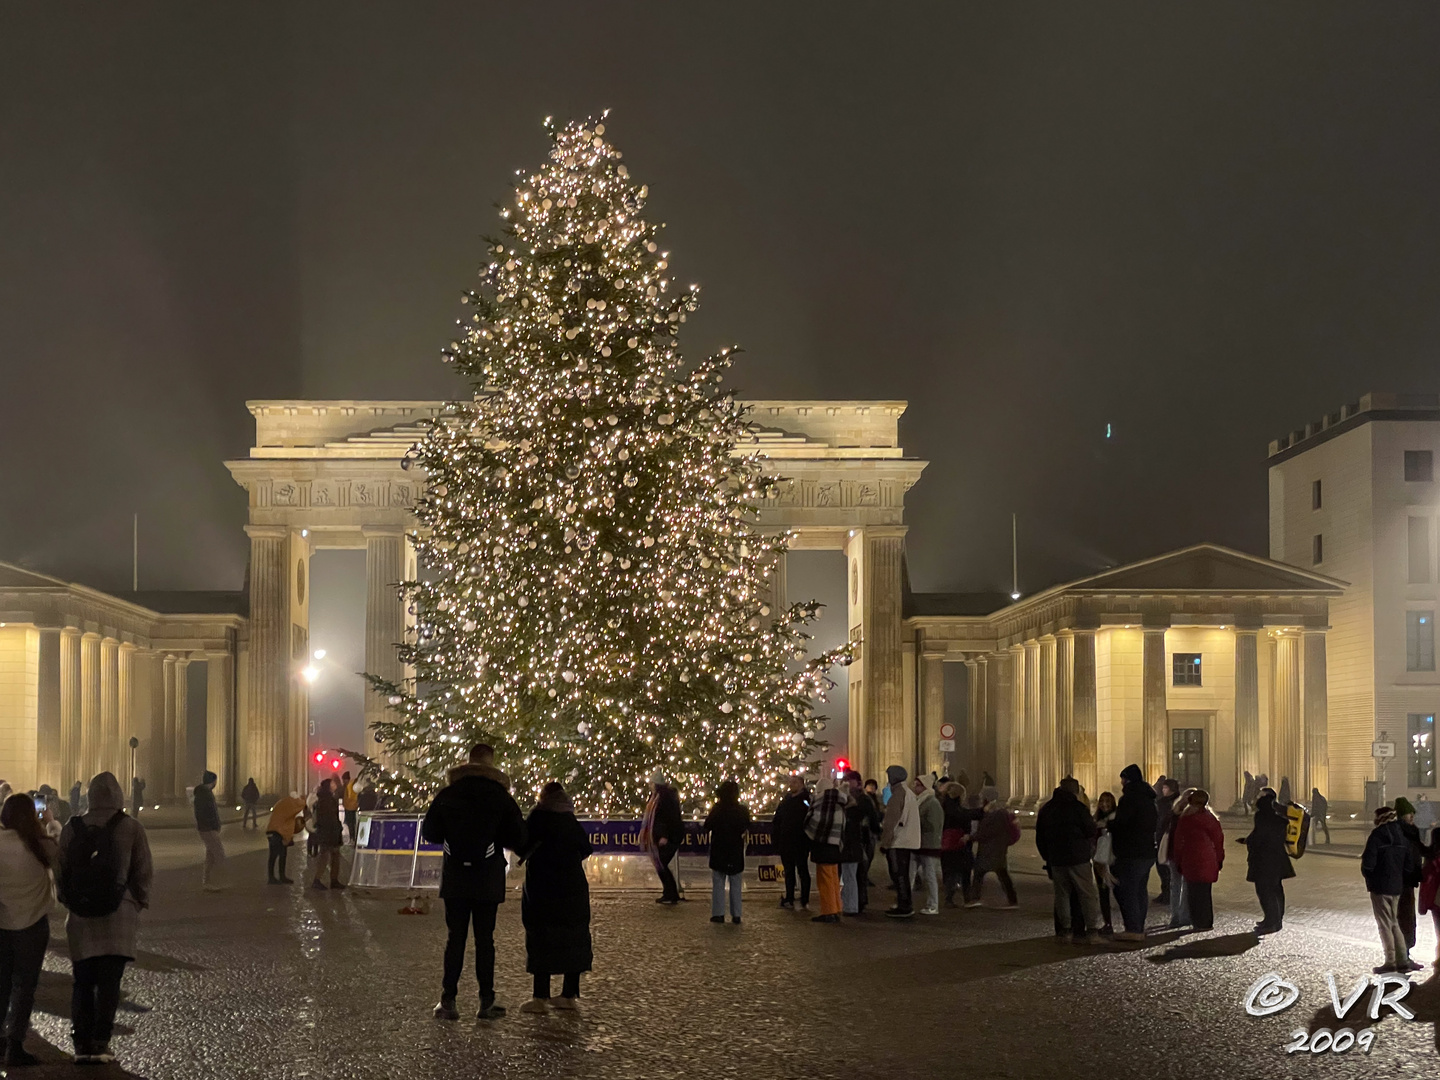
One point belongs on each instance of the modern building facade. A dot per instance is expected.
(1354, 496)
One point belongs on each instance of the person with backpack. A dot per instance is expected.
(105, 876)
(250, 798)
(28, 858)
(207, 823)
(475, 820)
(997, 831)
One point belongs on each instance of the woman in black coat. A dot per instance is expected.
(555, 906)
(1269, 861)
(728, 826)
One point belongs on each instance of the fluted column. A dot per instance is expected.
(1317, 722)
(89, 707)
(70, 707)
(47, 708)
(932, 710)
(881, 624)
(1286, 737)
(125, 718)
(1032, 746)
(974, 715)
(1048, 741)
(162, 784)
(269, 675)
(1085, 734)
(220, 720)
(1247, 709)
(109, 706)
(1016, 723)
(1155, 719)
(1065, 705)
(384, 618)
(179, 734)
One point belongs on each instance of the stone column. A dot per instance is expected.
(47, 708)
(269, 675)
(974, 713)
(1247, 709)
(883, 552)
(932, 711)
(70, 712)
(125, 719)
(779, 587)
(998, 721)
(1065, 705)
(1287, 743)
(162, 757)
(1317, 722)
(180, 733)
(1016, 725)
(109, 706)
(384, 620)
(1085, 735)
(1048, 741)
(1156, 721)
(1032, 749)
(89, 707)
(220, 721)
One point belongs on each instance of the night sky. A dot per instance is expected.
(1203, 225)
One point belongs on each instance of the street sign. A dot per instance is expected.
(1382, 749)
(947, 744)
(947, 731)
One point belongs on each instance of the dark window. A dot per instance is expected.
(1187, 757)
(1317, 549)
(1419, 539)
(1420, 641)
(1419, 465)
(1420, 753)
(1314, 494)
(1185, 666)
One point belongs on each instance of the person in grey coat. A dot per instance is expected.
(101, 946)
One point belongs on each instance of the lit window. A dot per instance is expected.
(1420, 756)
(1185, 669)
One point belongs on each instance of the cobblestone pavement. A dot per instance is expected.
(285, 983)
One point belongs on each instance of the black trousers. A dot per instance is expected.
(352, 820)
(1202, 909)
(460, 913)
(277, 856)
(1405, 910)
(94, 999)
(22, 952)
(797, 866)
(669, 890)
(1002, 875)
(1271, 895)
(1162, 871)
(1321, 823)
(252, 813)
(570, 987)
(899, 859)
(1104, 891)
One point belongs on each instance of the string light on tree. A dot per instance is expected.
(596, 597)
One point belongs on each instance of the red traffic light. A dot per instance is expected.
(841, 764)
(335, 763)
(319, 757)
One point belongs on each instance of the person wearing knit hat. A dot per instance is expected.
(1405, 910)
(900, 838)
(1384, 865)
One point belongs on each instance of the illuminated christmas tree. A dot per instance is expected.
(595, 596)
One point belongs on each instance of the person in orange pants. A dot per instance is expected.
(825, 826)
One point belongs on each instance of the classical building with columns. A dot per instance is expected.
(1201, 664)
(83, 672)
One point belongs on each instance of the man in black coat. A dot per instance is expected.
(787, 832)
(475, 820)
(1386, 864)
(1065, 837)
(1132, 834)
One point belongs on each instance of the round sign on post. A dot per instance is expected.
(947, 731)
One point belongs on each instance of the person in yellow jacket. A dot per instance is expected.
(350, 803)
(286, 818)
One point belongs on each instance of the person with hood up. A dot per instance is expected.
(996, 832)
(1385, 865)
(474, 820)
(1132, 838)
(662, 832)
(250, 799)
(326, 814)
(787, 831)
(1405, 822)
(825, 829)
(1065, 837)
(207, 823)
(728, 824)
(955, 857)
(286, 818)
(900, 838)
(555, 905)
(1197, 852)
(101, 944)
(1166, 792)
(77, 799)
(932, 829)
(862, 824)
(1269, 861)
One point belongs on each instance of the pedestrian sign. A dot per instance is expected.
(947, 744)
(1382, 749)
